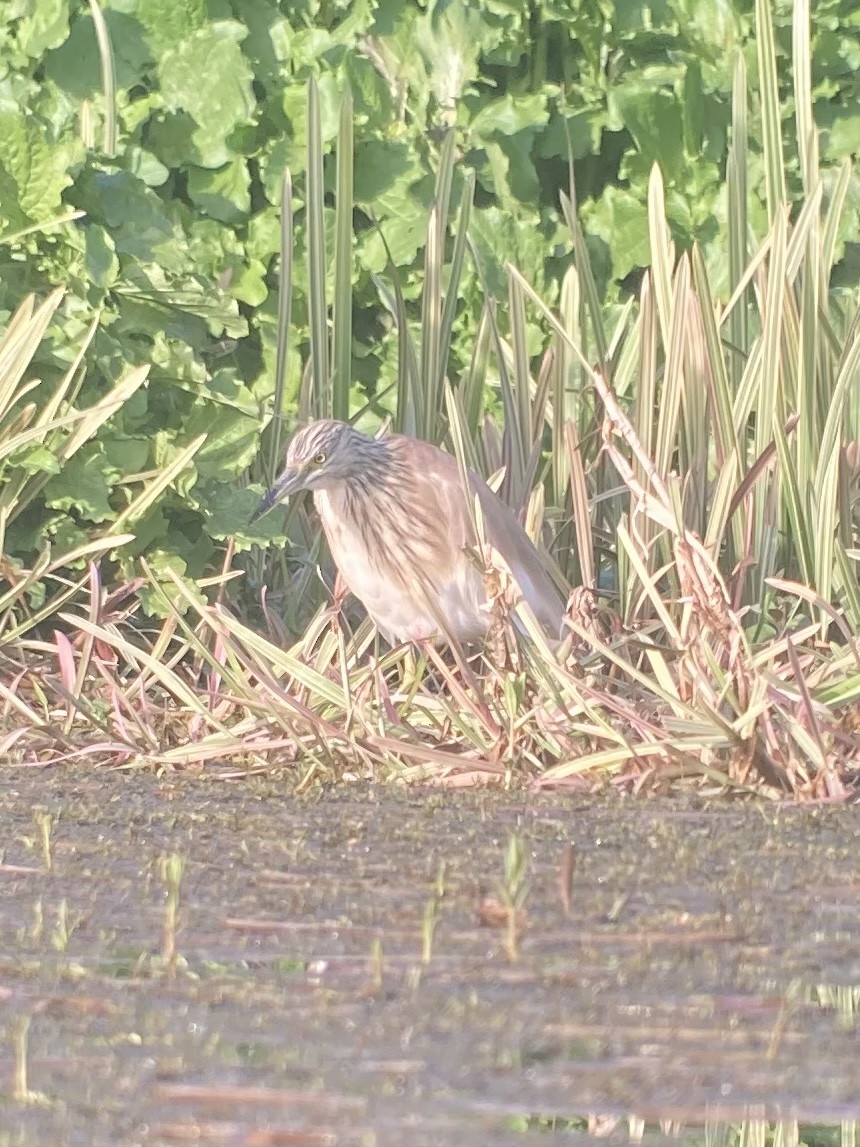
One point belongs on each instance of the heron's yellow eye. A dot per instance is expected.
(319, 458)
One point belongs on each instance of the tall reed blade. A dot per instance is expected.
(771, 123)
(342, 309)
(285, 304)
(108, 78)
(736, 186)
(317, 264)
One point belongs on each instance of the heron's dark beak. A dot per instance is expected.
(290, 482)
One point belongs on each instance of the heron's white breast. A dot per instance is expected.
(398, 605)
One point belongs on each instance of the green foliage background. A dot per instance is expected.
(178, 248)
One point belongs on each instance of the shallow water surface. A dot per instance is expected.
(345, 968)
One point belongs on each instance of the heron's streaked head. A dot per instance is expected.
(322, 455)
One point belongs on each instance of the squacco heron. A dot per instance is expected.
(399, 528)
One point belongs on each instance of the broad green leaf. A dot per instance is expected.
(74, 65)
(512, 171)
(620, 219)
(583, 128)
(653, 116)
(249, 285)
(65, 535)
(842, 135)
(84, 486)
(102, 265)
(231, 439)
(269, 36)
(294, 102)
(228, 511)
(33, 171)
(449, 39)
(384, 168)
(223, 194)
(133, 213)
(206, 82)
(45, 26)
(167, 24)
(161, 563)
(714, 30)
(32, 459)
(510, 115)
(125, 454)
(373, 102)
(405, 232)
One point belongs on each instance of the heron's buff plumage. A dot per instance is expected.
(396, 519)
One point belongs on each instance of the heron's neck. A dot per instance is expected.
(371, 466)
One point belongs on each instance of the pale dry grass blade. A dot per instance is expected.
(170, 681)
(150, 494)
(585, 558)
(95, 416)
(18, 344)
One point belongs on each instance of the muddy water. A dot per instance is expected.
(342, 967)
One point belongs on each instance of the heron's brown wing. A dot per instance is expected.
(506, 535)
(436, 492)
(438, 476)
(432, 531)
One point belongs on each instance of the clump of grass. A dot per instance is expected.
(45, 823)
(377, 964)
(21, 1091)
(506, 909)
(428, 928)
(65, 927)
(172, 867)
(514, 893)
